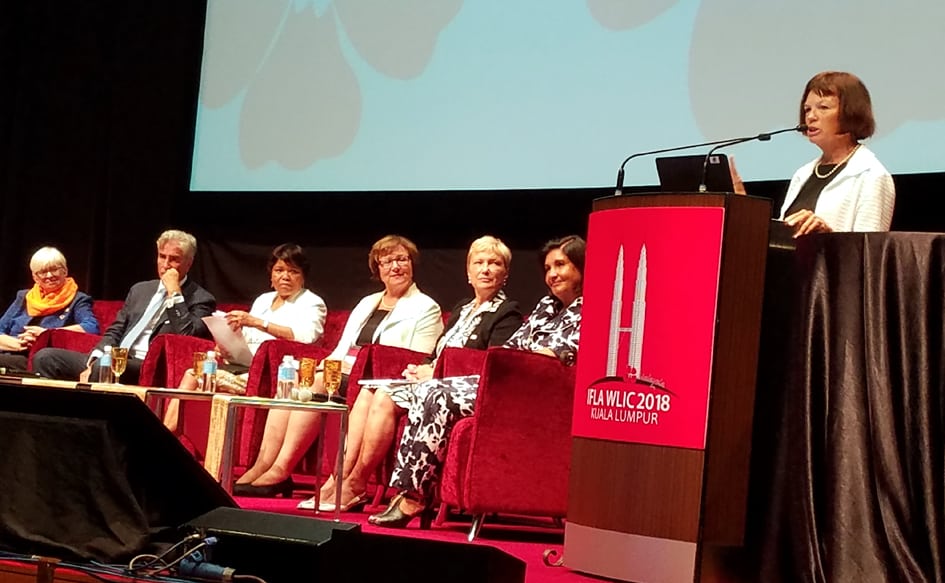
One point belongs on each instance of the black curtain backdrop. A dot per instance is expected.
(97, 110)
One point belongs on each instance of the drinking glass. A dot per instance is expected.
(331, 370)
(119, 362)
(199, 357)
(307, 373)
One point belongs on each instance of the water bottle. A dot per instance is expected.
(287, 378)
(105, 366)
(294, 392)
(209, 376)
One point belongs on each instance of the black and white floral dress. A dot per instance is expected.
(466, 326)
(439, 403)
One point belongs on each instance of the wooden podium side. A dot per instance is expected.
(642, 511)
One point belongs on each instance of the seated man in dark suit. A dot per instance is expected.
(173, 304)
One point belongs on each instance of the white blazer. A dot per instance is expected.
(414, 323)
(861, 197)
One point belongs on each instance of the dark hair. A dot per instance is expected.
(856, 108)
(385, 245)
(572, 246)
(291, 254)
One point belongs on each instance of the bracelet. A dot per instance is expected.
(265, 325)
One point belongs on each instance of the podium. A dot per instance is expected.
(662, 425)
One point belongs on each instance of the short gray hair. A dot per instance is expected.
(188, 242)
(493, 244)
(46, 257)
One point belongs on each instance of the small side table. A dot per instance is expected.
(219, 461)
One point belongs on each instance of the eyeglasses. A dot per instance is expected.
(388, 262)
(49, 271)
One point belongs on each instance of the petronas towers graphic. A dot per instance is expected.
(637, 323)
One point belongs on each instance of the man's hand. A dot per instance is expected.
(171, 281)
(84, 375)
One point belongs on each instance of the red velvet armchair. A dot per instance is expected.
(105, 312)
(513, 454)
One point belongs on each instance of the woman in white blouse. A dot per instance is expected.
(290, 312)
(399, 315)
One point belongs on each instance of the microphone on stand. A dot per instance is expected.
(620, 172)
(762, 137)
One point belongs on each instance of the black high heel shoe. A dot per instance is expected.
(394, 517)
(285, 488)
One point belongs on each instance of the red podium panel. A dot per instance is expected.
(673, 288)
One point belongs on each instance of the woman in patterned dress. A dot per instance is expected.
(487, 319)
(552, 328)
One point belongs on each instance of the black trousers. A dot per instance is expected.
(62, 364)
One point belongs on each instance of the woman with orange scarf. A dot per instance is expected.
(54, 301)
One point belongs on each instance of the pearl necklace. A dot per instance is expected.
(836, 166)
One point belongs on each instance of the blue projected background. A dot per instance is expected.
(343, 95)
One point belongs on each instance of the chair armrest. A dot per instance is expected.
(522, 420)
(169, 356)
(454, 362)
(68, 339)
(377, 361)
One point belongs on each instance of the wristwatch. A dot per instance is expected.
(265, 325)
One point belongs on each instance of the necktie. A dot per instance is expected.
(157, 302)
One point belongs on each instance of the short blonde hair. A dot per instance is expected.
(188, 243)
(47, 257)
(488, 243)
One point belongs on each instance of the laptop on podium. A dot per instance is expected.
(684, 173)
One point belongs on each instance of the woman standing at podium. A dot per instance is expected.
(846, 188)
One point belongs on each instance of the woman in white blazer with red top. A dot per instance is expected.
(400, 315)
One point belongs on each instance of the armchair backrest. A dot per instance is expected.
(106, 311)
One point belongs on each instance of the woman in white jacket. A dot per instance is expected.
(846, 188)
(400, 315)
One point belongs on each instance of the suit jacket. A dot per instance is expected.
(494, 327)
(415, 323)
(183, 318)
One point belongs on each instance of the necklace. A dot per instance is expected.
(836, 166)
